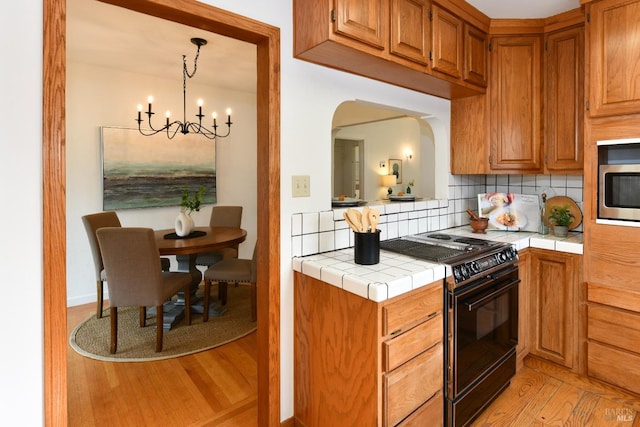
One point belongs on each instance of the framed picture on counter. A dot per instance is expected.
(395, 168)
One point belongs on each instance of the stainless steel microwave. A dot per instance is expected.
(619, 180)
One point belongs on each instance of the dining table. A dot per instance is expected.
(186, 250)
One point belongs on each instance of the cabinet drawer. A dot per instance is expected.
(406, 346)
(603, 320)
(412, 384)
(430, 414)
(616, 367)
(615, 297)
(406, 312)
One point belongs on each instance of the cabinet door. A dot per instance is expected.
(476, 46)
(564, 100)
(524, 306)
(615, 57)
(446, 43)
(363, 20)
(410, 30)
(516, 104)
(554, 306)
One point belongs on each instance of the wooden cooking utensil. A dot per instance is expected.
(374, 219)
(365, 219)
(348, 221)
(473, 215)
(356, 219)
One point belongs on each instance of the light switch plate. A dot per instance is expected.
(300, 186)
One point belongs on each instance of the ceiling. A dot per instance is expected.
(114, 37)
(118, 38)
(522, 8)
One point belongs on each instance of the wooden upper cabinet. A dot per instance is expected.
(363, 20)
(447, 42)
(476, 46)
(564, 100)
(410, 30)
(516, 104)
(615, 57)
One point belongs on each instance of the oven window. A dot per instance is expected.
(487, 328)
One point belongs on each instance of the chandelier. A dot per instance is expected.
(184, 127)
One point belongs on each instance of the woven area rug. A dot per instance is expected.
(135, 344)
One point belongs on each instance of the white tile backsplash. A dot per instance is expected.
(319, 232)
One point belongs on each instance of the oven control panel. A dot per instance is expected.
(477, 267)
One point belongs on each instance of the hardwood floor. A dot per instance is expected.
(212, 388)
(543, 394)
(219, 388)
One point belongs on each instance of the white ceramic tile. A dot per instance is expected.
(310, 244)
(565, 246)
(326, 241)
(399, 286)
(536, 242)
(392, 208)
(342, 238)
(310, 222)
(356, 285)
(332, 276)
(311, 269)
(296, 246)
(378, 292)
(296, 264)
(326, 221)
(296, 224)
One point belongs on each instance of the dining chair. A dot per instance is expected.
(234, 270)
(222, 216)
(92, 223)
(135, 278)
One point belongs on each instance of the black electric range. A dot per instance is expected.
(468, 257)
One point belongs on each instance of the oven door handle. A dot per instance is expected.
(471, 305)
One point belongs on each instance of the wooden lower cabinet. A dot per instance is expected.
(524, 307)
(555, 279)
(358, 362)
(613, 335)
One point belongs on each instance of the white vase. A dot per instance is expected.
(184, 224)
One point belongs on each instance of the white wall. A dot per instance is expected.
(21, 331)
(109, 97)
(385, 140)
(310, 94)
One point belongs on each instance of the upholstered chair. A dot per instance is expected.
(135, 277)
(222, 216)
(234, 270)
(92, 223)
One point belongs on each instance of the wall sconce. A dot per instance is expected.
(383, 164)
(408, 155)
(388, 181)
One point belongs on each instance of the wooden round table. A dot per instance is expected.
(186, 251)
(215, 238)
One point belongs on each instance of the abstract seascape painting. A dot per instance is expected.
(152, 171)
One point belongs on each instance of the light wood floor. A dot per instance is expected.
(543, 394)
(212, 388)
(218, 388)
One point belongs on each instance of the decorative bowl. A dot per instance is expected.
(479, 225)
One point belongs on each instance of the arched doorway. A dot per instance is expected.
(267, 40)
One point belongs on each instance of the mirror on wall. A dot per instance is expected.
(369, 141)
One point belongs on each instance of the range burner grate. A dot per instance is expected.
(420, 250)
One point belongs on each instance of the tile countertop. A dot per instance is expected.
(397, 274)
